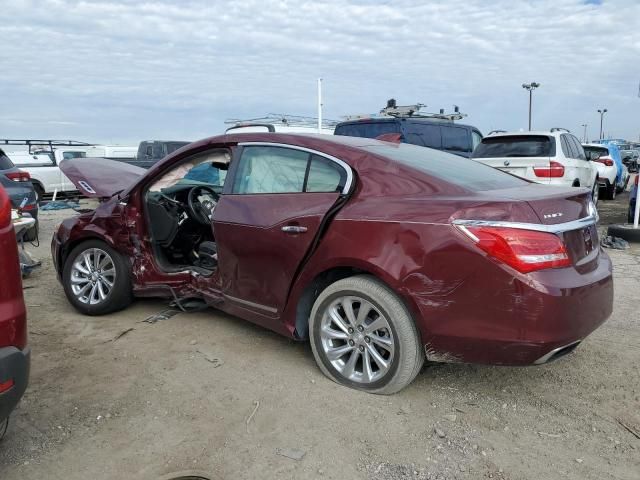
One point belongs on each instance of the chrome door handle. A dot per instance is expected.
(294, 229)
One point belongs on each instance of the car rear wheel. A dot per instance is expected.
(363, 336)
(96, 279)
(595, 193)
(37, 188)
(610, 191)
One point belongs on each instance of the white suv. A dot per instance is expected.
(607, 169)
(555, 157)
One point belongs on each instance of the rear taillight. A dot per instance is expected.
(524, 250)
(18, 176)
(6, 386)
(554, 170)
(605, 160)
(5, 208)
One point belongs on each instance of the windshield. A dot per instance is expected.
(451, 168)
(515, 146)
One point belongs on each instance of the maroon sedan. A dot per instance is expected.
(14, 353)
(381, 254)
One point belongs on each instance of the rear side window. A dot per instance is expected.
(367, 129)
(565, 146)
(423, 134)
(5, 162)
(453, 169)
(455, 139)
(325, 176)
(577, 147)
(515, 146)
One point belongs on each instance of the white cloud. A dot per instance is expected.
(126, 70)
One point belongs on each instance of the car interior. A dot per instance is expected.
(180, 207)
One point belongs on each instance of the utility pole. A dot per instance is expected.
(320, 105)
(601, 112)
(531, 87)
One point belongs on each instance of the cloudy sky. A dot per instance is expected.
(122, 71)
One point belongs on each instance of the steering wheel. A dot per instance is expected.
(202, 211)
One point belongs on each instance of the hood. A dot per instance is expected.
(99, 177)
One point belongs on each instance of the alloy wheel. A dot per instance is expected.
(93, 275)
(357, 339)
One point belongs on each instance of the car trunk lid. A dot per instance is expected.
(542, 207)
(99, 177)
(519, 166)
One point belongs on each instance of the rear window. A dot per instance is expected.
(515, 146)
(5, 162)
(367, 129)
(603, 152)
(453, 169)
(423, 134)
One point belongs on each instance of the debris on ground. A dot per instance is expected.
(163, 315)
(59, 205)
(629, 428)
(211, 359)
(616, 243)
(292, 453)
(255, 409)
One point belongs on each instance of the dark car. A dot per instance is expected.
(151, 151)
(426, 132)
(381, 254)
(14, 353)
(633, 197)
(17, 184)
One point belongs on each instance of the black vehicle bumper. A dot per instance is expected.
(14, 367)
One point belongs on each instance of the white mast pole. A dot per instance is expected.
(320, 105)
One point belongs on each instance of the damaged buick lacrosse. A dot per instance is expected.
(382, 255)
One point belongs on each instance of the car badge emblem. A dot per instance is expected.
(507, 163)
(553, 215)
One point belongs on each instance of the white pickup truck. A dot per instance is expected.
(46, 175)
(44, 156)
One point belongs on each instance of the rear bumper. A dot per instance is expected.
(522, 320)
(14, 366)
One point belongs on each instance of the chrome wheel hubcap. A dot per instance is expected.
(357, 339)
(93, 275)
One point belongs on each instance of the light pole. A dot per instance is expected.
(584, 125)
(531, 87)
(601, 112)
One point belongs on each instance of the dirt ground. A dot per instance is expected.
(115, 397)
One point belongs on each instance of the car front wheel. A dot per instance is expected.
(96, 279)
(363, 336)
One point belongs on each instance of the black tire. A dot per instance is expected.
(120, 295)
(595, 192)
(408, 355)
(32, 234)
(610, 191)
(626, 232)
(39, 192)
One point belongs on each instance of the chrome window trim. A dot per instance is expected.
(558, 228)
(347, 167)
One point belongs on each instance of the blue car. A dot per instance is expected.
(622, 177)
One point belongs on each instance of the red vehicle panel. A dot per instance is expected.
(14, 353)
(381, 253)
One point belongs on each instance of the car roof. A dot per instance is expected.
(437, 121)
(537, 133)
